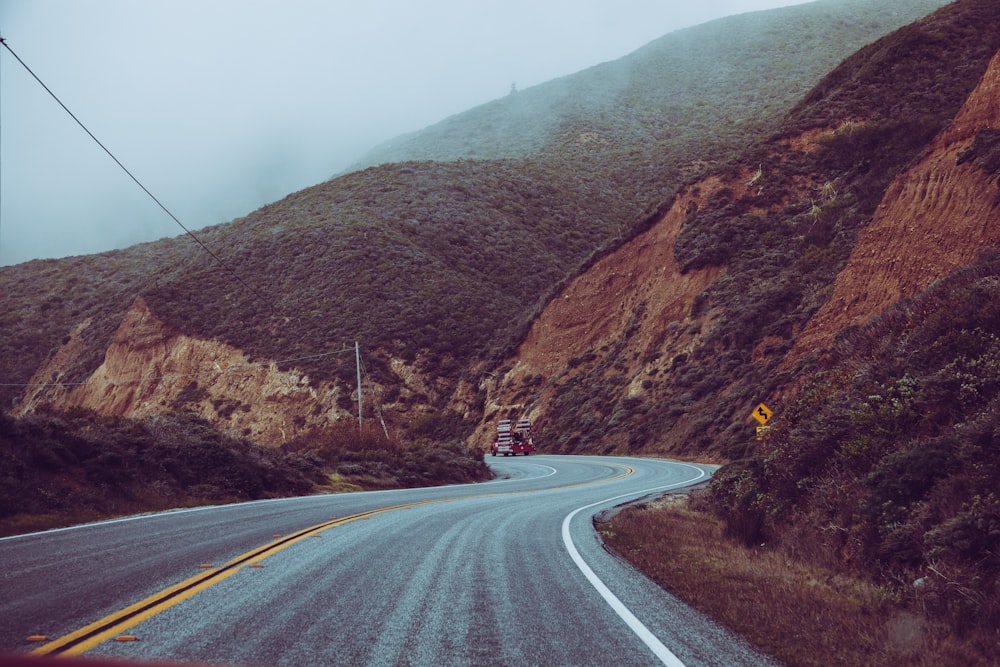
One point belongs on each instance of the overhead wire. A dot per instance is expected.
(173, 217)
(131, 175)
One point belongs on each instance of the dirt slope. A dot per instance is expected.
(630, 319)
(637, 293)
(933, 220)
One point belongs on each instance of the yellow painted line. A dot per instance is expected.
(108, 627)
(86, 638)
(113, 625)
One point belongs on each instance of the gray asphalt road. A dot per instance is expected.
(508, 572)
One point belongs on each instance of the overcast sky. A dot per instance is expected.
(221, 106)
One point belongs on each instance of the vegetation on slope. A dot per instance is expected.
(636, 127)
(59, 469)
(445, 264)
(707, 86)
(780, 264)
(446, 261)
(889, 462)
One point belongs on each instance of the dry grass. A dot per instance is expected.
(338, 484)
(799, 613)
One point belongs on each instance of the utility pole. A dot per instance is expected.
(357, 361)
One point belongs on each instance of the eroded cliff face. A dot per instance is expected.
(626, 323)
(635, 306)
(933, 220)
(150, 368)
(637, 294)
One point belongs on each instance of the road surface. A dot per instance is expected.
(506, 572)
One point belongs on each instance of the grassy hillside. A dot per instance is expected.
(692, 87)
(442, 261)
(780, 265)
(640, 124)
(889, 463)
(446, 262)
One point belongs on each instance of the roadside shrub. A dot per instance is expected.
(738, 499)
(889, 458)
(79, 466)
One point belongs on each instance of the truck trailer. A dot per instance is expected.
(513, 438)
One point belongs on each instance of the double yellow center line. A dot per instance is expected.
(86, 638)
(90, 636)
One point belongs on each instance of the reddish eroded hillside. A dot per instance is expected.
(934, 219)
(637, 293)
(595, 310)
(631, 356)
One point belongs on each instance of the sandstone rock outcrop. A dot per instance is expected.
(149, 368)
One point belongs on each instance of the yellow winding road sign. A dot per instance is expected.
(762, 413)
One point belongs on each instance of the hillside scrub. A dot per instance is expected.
(441, 278)
(691, 95)
(445, 263)
(61, 469)
(369, 460)
(888, 463)
(783, 241)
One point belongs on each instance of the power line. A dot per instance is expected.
(1, 146)
(130, 175)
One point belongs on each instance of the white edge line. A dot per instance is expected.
(665, 655)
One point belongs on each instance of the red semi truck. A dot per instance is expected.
(513, 438)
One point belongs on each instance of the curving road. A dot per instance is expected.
(507, 572)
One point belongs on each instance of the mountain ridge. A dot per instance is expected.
(815, 186)
(601, 91)
(467, 250)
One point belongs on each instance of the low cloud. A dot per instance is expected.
(221, 107)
